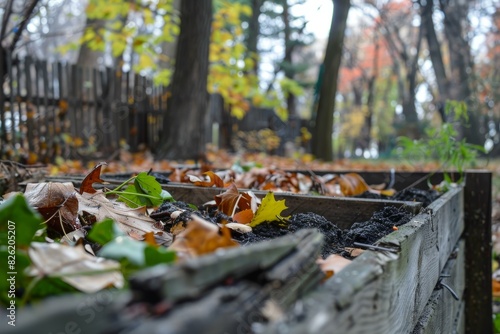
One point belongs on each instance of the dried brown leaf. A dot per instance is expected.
(215, 180)
(200, 237)
(227, 201)
(57, 203)
(93, 177)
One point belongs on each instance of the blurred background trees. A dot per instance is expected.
(399, 62)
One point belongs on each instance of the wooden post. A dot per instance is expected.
(42, 65)
(478, 290)
(30, 107)
(12, 105)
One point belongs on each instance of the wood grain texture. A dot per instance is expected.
(382, 292)
(442, 310)
(478, 297)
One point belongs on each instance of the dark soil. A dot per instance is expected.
(407, 195)
(336, 239)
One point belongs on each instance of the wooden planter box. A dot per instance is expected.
(382, 292)
(396, 291)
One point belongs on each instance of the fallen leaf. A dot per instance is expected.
(227, 201)
(57, 203)
(354, 252)
(93, 177)
(333, 264)
(200, 237)
(243, 217)
(352, 184)
(74, 266)
(269, 210)
(215, 180)
(496, 288)
(130, 221)
(241, 228)
(145, 191)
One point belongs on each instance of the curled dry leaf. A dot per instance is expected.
(57, 203)
(74, 266)
(241, 228)
(200, 237)
(134, 222)
(215, 180)
(228, 200)
(351, 184)
(93, 177)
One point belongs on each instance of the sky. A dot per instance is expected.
(319, 14)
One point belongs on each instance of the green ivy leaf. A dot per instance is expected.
(124, 247)
(131, 196)
(17, 216)
(156, 255)
(18, 225)
(105, 231)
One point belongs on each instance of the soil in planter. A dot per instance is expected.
(336, 239)
(426, 197)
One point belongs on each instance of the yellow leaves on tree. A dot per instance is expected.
(230, 67)
(115, 31)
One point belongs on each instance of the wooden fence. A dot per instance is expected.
(56, 109)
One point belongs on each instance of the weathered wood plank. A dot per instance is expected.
(192, 277)
(459, 322)
(383, 292)
(442, 309)
(72, 313)
(225, 309)
(478, 297)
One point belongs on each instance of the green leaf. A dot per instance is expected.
(156, 255)
(148, 184)
(165, 195)
(131, 196)
(21, 262)
(124, 247)
(18, 221)
(105, 231)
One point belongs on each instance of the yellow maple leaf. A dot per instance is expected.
(269, 210)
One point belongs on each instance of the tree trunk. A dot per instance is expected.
(322, 137)
(253, 34)
(86, 56)
(183, 136)
(289, 72)
(461, 64)
(436, 56)
(370, 101)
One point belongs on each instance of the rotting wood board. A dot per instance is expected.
(385, 292)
